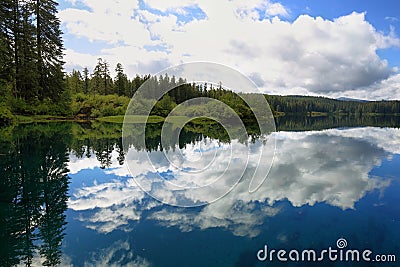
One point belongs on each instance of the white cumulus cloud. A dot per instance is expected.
(306, 55)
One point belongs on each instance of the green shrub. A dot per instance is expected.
(99, 105)
(6, 118)
(18, 106)
(95, 113)
(39, 107)
(80, 97)
(108, 110)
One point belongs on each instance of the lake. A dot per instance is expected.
(68, 198)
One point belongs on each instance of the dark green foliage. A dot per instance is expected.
(306, 104)
(19, 106)
(86, 80)
(307, 123)
(121, 83)
(164, 106)
(6, 118)
(101, 82)
(6, 40)
(89, 106)
(183, 91)
(31, 53)
(76, 83)
(49, 49)
(27, 76)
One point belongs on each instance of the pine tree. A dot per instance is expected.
(6, 37)
(31, 49)
(49, 50)
(75, 82)
(136, 83)
(96, 84)
(121, 81)
(86, 79)
(101, 79)
(106, 76)
(27, 75)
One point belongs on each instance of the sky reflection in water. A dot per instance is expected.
(323, 185)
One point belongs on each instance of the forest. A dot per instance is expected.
(31, 58)
(86, 89)
(33, 81)
(309, 104)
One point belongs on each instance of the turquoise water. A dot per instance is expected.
(68, 198)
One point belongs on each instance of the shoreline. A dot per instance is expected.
(22, 119)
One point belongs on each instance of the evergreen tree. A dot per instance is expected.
(49, 50)
(101, 79)
(86, 79)
(26, 75)
(136, 83)
(121, 81)
(106, 77)
(6, 45)
(75, 82)
(31, 50)
(96, 81)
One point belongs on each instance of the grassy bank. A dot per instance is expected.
(119, 119)
(21, 119)
(142, 119)
(132, 119)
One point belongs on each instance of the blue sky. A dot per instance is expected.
(332, 48)
(383, 15)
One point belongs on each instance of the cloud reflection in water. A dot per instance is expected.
(330, 166)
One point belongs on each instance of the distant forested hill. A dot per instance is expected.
(307, 104)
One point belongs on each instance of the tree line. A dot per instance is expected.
(101, 83)
(91, 91)
(308, 104)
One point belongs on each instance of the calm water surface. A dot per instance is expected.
(68, 199)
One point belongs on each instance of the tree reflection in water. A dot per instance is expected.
(33, 195)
